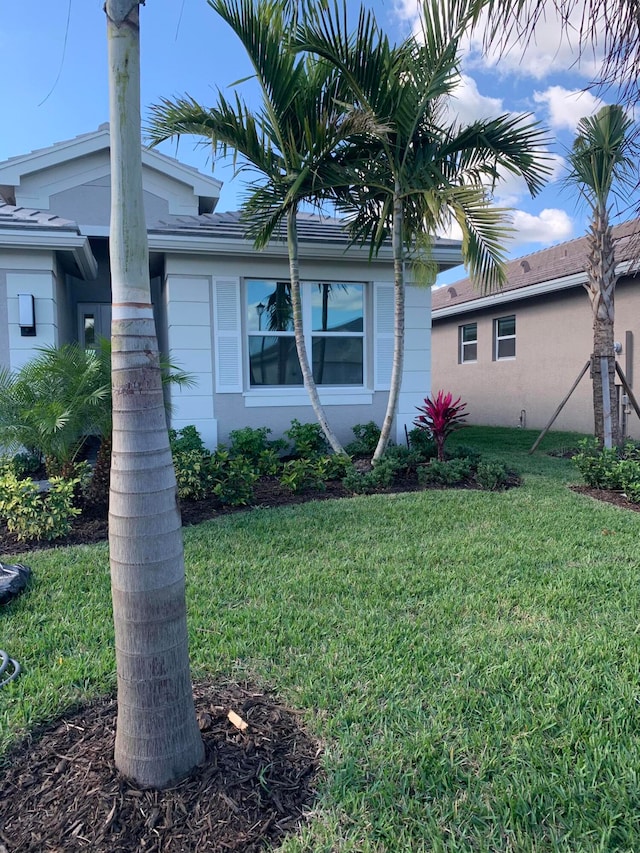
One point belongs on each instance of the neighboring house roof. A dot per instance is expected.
(315, 230)
(555, 268)
(22, 227)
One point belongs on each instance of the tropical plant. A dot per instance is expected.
(366, 439)
(290, 141)
(441, 415)
(31, 514)
(418, 171)
(157, 736)
(601, 164)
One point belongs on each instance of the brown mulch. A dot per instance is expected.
(608, 496)
(60, 790)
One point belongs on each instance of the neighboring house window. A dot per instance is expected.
(333, 322)
(468, 341)
(505, 337)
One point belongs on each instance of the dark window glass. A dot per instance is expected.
(337, 360)
(273, 360)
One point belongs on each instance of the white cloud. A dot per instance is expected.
(566, 107)
(549, 226)
(467, 105)
(551, 47)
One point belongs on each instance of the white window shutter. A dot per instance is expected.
(228, 335)
(383, 335)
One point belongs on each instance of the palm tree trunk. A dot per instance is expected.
(157, 736)
(398, 328)
(601, 287)
(307, 375)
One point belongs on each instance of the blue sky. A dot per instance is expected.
(53, 73)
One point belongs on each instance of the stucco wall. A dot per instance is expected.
(553, 342)
(4, 322)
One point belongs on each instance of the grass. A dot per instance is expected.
(469, 659)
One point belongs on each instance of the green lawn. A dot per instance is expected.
(470, 660)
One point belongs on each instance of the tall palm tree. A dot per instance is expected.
(157, 735)
(601, 165)
(420, 171)
(290, 141)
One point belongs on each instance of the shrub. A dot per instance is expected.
(629, 471)
(366, 440)
(308, 439)
(252, 444)
(193, 474)
(421, 442)
(381, 476)
(598, 465)
(26, 463)
(33, 515)
(492, 476)
(445, 473)
(403, 458)
(234, 479)
(300, 474)
(464, 451)
(186, 440)
(440, 417)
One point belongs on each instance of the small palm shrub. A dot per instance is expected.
(439, 417)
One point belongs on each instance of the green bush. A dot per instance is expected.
(26, 463)
(31, 514)
(598, 465)
(447, 473)
(463, 451)
(252, 444)
(629, 470)
(186, 440)
(492, 476)
(234, 479)
(403, 458)
(300, 474)
(421, 443)
(381, 476)
(366, 439)
(193, 474)
(307, 439)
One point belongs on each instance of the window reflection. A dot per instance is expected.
(337, 307)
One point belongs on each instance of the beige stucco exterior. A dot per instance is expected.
(553, 343)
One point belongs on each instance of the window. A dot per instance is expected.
(504, 337)
(333, 322)
(468, 343)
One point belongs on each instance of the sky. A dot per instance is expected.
(54, 86)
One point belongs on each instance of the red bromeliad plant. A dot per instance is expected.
(441, 416)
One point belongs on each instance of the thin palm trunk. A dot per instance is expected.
(398, 327)
(307, 375)
(601, 288)
(157, 736)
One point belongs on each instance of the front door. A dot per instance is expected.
(94, 322)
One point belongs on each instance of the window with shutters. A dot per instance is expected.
(333, 317)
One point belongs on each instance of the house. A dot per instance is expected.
(514, 355)
(221, 307)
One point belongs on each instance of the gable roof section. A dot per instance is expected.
(555, 268)
(322, 235)
(15, 169)
(21, 228)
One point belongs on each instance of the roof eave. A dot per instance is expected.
(67, 243)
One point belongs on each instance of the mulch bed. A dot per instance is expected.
(608, 496)
(60, 790)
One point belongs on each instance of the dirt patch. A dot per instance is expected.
(60, 790)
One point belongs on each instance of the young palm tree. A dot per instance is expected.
(600, 164)
(157, 735)
(419, 171)
(291, 141)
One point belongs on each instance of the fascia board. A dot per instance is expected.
(12, 170)
(505, 296)
(209, 245)
(76, 244)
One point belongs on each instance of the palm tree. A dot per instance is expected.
(419, 171)
(157, 735)
(600, 164)
(291, 141)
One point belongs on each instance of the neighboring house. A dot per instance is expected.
(513, 355)
(221, 307)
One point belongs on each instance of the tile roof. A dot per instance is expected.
(24, 217)
(312, 228)
(546, 265)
